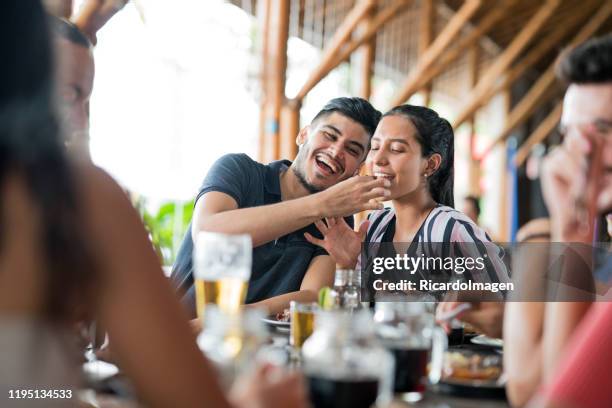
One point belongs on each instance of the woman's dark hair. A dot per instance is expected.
(30, 150)
(435, 135)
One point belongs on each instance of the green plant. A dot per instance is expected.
(167, 227)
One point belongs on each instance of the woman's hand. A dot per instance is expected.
(340, 240)
(486, 317)
(269, 387)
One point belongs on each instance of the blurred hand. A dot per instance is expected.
(269, 387)
(359, 193)
(340, 240)
(570, 184)
(486, 317)
(196, 325)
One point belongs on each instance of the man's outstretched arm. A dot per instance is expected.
(218, 212)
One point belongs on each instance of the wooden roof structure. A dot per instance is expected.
(469, 49)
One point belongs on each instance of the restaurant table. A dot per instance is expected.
(433, 398)
(436, 400)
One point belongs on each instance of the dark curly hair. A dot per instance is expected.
(589, 62)
(30, 149)
(435, 135)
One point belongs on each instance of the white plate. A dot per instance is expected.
(487, 341)
(277, 324)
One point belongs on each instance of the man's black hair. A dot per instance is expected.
(357, 109)
(588, 63)
(475, 202)
(69, 31)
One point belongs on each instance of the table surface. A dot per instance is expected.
(434, 400)
(431, 399)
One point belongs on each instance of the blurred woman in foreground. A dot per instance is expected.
(72, 245)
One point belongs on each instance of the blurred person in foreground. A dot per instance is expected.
(71, 243)
(277, 203)
(74, 77)
(74, 41)
(573, 364)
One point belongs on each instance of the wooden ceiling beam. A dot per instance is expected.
(341, 36)
(381, 18)
(490, 78)
(427, 16)
(540, 134)
(538, 52)
(526, 106)
(464, 44)
(440, 44)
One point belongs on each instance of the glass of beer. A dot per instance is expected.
(302, 322)
(222, 268)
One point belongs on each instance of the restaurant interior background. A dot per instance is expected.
(180, 83)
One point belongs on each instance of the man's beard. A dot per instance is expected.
(299, 173)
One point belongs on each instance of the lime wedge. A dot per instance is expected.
(325, 300)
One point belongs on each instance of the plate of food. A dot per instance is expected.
(473, 374)
(280, 321)
(483, 340)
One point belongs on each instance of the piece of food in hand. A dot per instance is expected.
(284, 316)
(326, 302)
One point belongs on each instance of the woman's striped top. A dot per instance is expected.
(445, 232)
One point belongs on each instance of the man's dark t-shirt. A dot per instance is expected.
(278, 266)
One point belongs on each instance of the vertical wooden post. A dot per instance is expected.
(504, 210)
(426, 33)
(278, 33)
(263, 13)
(365, 57)
(474, 165)
(289, 128)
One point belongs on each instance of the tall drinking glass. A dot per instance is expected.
(302, 322)
(232, 341)
(222, 268)
(407, 330)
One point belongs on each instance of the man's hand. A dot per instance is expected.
(340, 240)
(356, 194)
(571, 175)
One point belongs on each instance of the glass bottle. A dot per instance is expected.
(352, 291)
(337, 292)
(343, 363)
